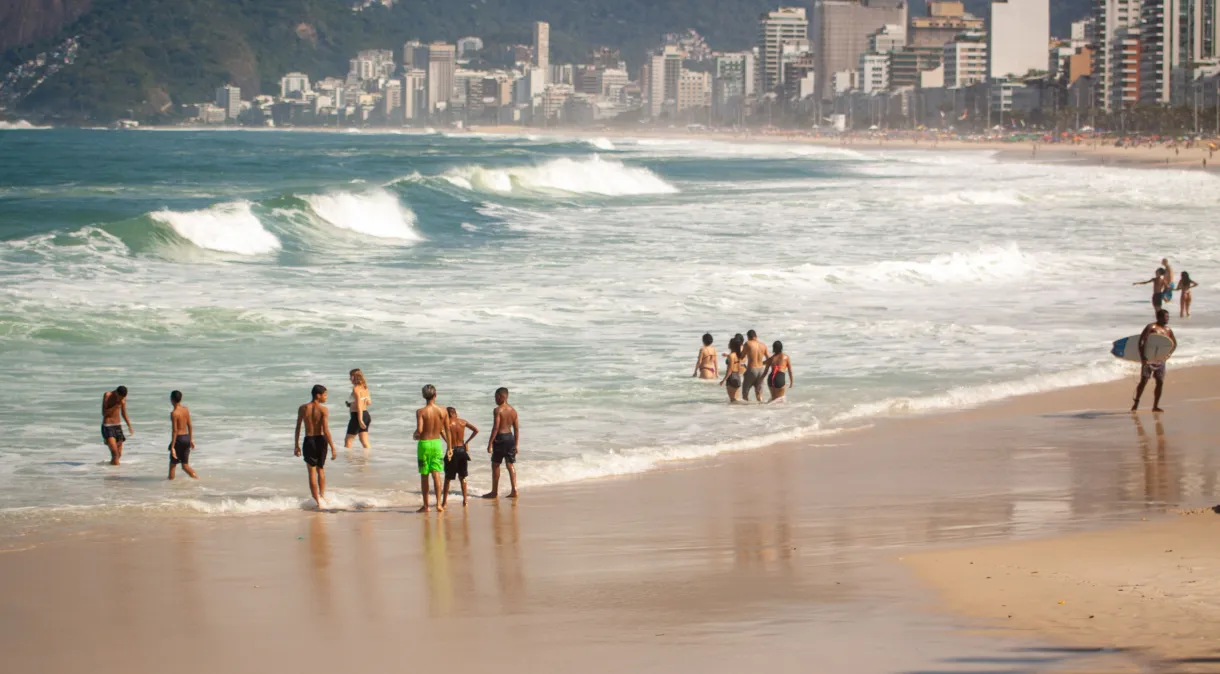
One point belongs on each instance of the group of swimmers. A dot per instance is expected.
(1163, 286)
(748, 366)
(442, 446)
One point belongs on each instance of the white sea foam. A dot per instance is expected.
(975, 198)
(377, 213)
(229, 228)
(19, 125)
(256, 505)
(603, 144)
(593, 175)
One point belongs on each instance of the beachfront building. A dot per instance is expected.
(965, 60)
(663, 74)
(943, 22)
(732, 84)
(775, 29)
(294, 85)
(414, 94)
(1165, 51)
(228, 98)
(542, 48)
(841, 30)
(694, 90)
(874, 72)
(442, 64)
(1116, 61)
(1018, 32)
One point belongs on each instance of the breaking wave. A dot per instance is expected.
(594, 176)
(228, 228)
(378, 214)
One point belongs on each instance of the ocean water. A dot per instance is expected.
(245, 267)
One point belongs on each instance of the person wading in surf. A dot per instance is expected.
(114, 408)
(1159, 284)
(756, 366)
(314, 416)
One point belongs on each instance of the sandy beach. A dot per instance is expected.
(828, 556)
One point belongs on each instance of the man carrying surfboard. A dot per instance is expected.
(1148, 369)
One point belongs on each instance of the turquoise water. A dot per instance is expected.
(244, 267)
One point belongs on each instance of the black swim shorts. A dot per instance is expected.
(353, 426)
(182, 447)
(314, 451)
(457, 467)
(734, 381)
(115, 431)
(504, 449)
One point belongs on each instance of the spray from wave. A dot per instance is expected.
(228, 228)
(377, 213)
(19, 125)
(594, 175)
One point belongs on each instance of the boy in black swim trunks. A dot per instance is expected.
(505, 434)
(181, 437)
(315, 417)
(457, 458)
(114, 412)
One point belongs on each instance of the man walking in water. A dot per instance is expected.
(315, 417)
(431, 428)
(505, 434)
(114, 412)
(181, 436)
(756, 366)
(1150, 370)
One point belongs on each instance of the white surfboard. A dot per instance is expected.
(1157, 348)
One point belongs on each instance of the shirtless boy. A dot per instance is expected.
(756, 366)
(1160, 283)
(114, 412)
(1153, 370)
(315, 417)
(457, 458)
(181, 437)
(431, 428)
(505, 434)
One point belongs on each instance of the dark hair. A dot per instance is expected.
(1185, 278)
(1160, 271)
(741, 339)
(751, 334)
(1162, 311)
(318, 390)
(122, 391)
(175, 397)
(707, 339)
(452, 411)
(735, 344)
(429, 392)
(501, 392)
(778, 346)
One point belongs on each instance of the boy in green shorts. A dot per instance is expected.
(432, 434)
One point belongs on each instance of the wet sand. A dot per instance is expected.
(794, 558)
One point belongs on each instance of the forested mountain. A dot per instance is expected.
(139, 57)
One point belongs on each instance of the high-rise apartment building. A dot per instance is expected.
(966, 60)
(228, 98)
(1165, 51)
(694, 90)
(943, 22)
(874, 72)
(542, 47)
(442, 63)
(1116, 62)
(1018, 34)
(414, 94)
(732, 84)
(294, 85)
(775, 29)
(841, 29)
(1084, 32)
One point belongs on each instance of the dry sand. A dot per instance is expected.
(783, 558)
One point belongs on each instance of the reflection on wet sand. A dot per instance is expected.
(1160, 487)
(320, 559)
(366, 569)
(510, 569)
(185, 570)
(436, 568)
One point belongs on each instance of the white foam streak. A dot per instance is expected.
(228, 228)
(601, 144)
(593, 175)
(19, 125)
(378, 214)
(257, 505)
(986, 264)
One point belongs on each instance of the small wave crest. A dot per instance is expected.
(603, 144)
(985, 264)
(228, 228)
(253, 505)
(377, 213)
(19, 125)
(594, 175)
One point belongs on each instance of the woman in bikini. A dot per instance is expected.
(734, 368)
(706, 366)
(779, 374)
(1184, 286)
(358, 403)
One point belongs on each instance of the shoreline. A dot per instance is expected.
(792, 551)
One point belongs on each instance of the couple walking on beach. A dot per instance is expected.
(433, 426)
(748, 366)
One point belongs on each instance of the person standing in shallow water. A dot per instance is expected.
(779, 373)
(756, 366)
(114, 412)
(505, 435)
(314, 416)
(431, 435)
(706, 366)
(181, 436)
(358, 403)
(733, 368)
(457, 458)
